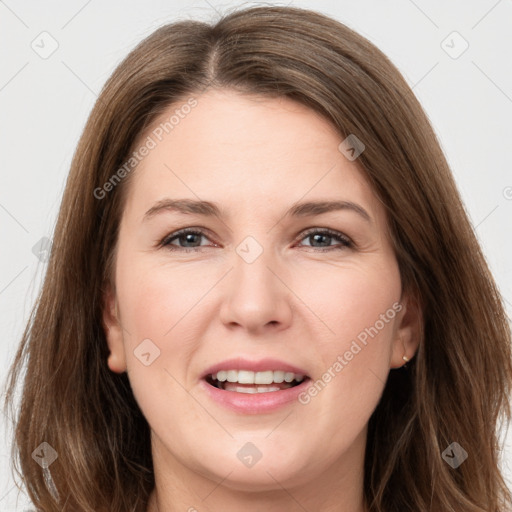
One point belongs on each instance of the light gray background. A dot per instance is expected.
(44, 103)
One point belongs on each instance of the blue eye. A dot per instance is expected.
(319, 235)
(193, 236)
(184, 236)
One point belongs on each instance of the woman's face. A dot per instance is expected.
(258, 287)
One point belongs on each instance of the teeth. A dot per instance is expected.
(278, 377)
(232, 376)
(248, 377)
(241, 389)
(288, 377)
(264, 377)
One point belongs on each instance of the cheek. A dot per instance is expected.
(353, 298)
(358, 308)
(161, 309)
(157, 299)
(336, 305)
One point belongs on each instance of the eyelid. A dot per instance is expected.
(347, 242)
(330, 232)
(175, 234)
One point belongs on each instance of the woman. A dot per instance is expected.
(253, 368)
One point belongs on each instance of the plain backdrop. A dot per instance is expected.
(56, 56)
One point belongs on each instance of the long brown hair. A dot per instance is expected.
(454, 390)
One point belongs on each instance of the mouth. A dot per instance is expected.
(249, 382)
(246, 386)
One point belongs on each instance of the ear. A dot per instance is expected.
(113, 332)
(407, 331)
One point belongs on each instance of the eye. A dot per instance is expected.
(325, 236)
(191, 240)
(185, 236)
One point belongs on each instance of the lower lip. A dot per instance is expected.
(255, 403)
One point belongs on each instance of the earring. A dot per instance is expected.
(406, 359)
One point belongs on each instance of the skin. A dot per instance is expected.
(302, 301)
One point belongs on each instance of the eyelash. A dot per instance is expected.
(345, 241)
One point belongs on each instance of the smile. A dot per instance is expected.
(246, 381)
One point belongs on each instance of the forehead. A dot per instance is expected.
(249, 151)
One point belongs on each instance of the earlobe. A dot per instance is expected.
(113, 333)
(408, 332)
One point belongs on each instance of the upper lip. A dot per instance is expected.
(255, 366)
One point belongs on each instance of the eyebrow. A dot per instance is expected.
(210, 209)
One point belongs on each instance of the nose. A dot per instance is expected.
(255, 295)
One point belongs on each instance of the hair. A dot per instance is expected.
(455, 388)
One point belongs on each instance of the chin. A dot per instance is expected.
(267, 474)
(258, 479)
